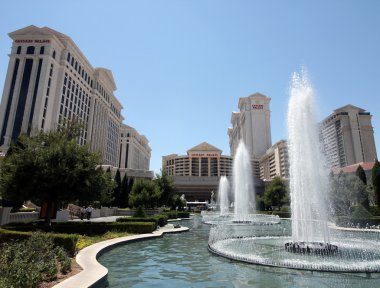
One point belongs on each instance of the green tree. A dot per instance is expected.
(49, 168)
(105, 187)
(117, 189)
(362, 193)
(276, 193)
(166, 185)
(376, 181)
(124, 192)
(344, 191)
(144, 193)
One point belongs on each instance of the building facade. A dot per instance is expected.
(197, 174)
(252, 125)
(347, 137)
(275, 162)
(50, 82)
(135, 153)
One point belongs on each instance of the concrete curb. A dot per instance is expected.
(93, 272)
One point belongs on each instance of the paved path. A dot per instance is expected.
(93, 272)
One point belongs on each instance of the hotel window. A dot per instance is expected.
(68, 57)
(42, 50)
(54, 54)
(30, 50)
(18, 50)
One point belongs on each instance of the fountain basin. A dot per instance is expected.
(358, 252)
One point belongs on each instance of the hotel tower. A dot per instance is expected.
(49, 82)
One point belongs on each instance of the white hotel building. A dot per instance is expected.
(252, 125)
(347, 137)
(197, 174)
(49, 82)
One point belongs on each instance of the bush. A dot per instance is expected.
(374, 210)
(161, 219)
(183, 214)
(135, 219)
(282, 214)
(345, 221)
(27, 263)
(171, 214)
(360, 212)
(88, 228)
(66, 241)
(139, 212)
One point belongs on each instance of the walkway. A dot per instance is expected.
(93, 272)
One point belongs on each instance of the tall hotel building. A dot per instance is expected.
(134, 153)
(347, 137)
(49, 82)
(197, 174)
(275, 162)
(252, 125)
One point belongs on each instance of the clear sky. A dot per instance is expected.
(180, 66)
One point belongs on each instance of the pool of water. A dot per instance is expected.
(182, 260)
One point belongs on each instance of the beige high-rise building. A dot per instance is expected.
(275, 162)
(347, 137)
(197, 174)
(135, 150)
(49, 82)
(252, 125)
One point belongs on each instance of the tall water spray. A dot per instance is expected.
(224, 188)
(244, 202)
(308, 176)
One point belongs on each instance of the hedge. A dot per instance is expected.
(66, 241)
(177, 214)
(160, 219)
(86, 228)
(282, 214)
(346, 221)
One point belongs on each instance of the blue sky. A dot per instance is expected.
(180, 66)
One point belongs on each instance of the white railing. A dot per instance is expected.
(23, 217)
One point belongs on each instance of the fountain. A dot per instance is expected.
(244, 194)
(306, 242)
(224, 188)
(308, 174)
(243, 184)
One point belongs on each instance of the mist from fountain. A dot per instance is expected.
(224, 188)
(244, 202)
(308, 174)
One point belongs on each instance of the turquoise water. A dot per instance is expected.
(182, 260)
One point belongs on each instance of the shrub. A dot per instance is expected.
(183, 214)
(27, 263)
(346, 221)
(139, 212)
(282, 214)
(66, 241)
(172, 214)
(162, 219)
(134, 227)
(374, 210)
(360, 212)
(135, 219)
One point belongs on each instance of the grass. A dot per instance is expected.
(85, 240)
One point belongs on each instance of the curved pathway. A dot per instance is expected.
(93, 272)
